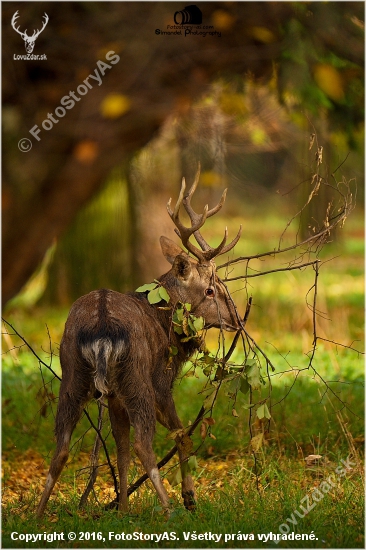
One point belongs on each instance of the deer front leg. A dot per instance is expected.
(121, 433)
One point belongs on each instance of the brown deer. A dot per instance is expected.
(118, 344)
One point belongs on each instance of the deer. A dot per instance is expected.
(117, 346)
(29, 41)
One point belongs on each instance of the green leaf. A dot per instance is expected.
(244, 385)
(178, 315)
(267, 414)
(144, 288)
(260, 412)
(175, 477)
(178, 329)
(235, 384)
(208, 402)
(253, 376)
(191, 325)
(199, 323)
(163, 294)
(173, 350)
(192, 463)
(188, 306)
(207, 360)
(154, 296)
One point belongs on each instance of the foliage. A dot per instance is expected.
(156, 292)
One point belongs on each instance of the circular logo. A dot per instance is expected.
(24, 145)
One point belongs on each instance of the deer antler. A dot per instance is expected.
(197, 220)
(37, 33)
(13, 20)
(185, 232)
(24, 34)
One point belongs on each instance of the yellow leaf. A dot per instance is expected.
(262, 34)
(222, 20)
(258, 136)
(203, 430)
(115, 105)
(329, 81)
(175, 433)
(256, 442)
(212, 179)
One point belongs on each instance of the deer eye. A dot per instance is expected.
(210, 292)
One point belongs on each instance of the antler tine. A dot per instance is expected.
(194, 217)
(218, 206)
(201, 241)
(194, 184)
(212, 252)
(15, 17)
(222, 249)
(38, 32)
(179, 201)
(231, 245)
(13, 21)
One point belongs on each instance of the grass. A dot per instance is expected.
(238, 493)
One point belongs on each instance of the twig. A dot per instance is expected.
(94, 457)
(272, 271)
(111, 467)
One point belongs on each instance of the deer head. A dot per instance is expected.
(194, 280)
(29, 41)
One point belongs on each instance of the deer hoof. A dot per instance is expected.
(189, 500)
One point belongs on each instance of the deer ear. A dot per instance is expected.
(170, 249)
(182, 267)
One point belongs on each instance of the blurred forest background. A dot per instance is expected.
(85, 207)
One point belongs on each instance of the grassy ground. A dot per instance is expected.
(238, 493)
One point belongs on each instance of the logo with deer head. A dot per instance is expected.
(29, 41)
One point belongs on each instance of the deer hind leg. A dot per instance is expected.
(142, 416)
(167, 416)
(69, 411)
(121, 433)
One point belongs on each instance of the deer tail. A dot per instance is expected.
(98, 355)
